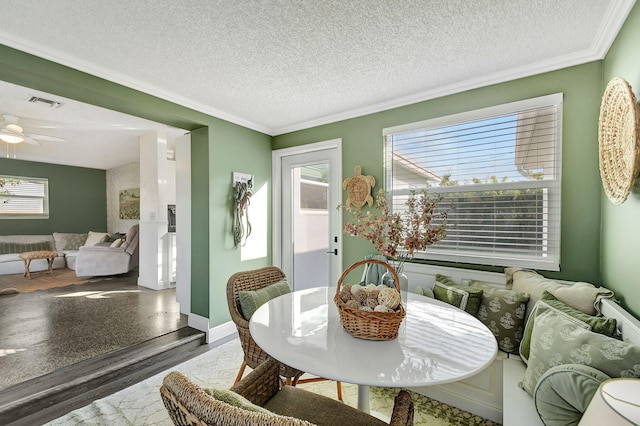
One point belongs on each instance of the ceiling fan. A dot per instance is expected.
(12, 133)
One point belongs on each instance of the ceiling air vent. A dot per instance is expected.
(48, 102)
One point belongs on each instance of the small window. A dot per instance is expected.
(314, 188)
(497, 170)
(24, 197)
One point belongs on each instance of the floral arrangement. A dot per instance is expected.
(400, 235)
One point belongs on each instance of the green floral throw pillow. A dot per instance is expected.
(461, 296)
(557, 340)
(601, 325)
(502, 311)
(74, 241)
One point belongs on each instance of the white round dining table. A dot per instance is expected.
(436, 344)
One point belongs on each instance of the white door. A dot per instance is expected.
(307, 225)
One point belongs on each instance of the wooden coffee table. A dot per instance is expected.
(28, 256)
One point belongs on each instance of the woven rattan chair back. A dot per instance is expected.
(254, 355)
(249, 281)
(189, 405)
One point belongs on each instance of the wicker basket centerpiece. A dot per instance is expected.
(370, 312)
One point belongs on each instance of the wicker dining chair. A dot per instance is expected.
(253, 355)
(267, 402)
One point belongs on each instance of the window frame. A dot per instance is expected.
(552, 186)
(45, 198)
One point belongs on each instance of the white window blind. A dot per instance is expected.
(498, 171)
(24, 197)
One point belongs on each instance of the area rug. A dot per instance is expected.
(17, 283)
(140, 404)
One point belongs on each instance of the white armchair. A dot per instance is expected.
(100, 261)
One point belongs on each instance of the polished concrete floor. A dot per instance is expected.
(45, 330)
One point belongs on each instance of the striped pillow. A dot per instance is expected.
(10, 247)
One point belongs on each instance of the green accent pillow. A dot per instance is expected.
(557, 340)
(601, 325)
(444, 279)
(250, 301)
(424, 291)
(563, 393)
(9, 247)
(235, 399)
(502, 311)
(461, 296)
(74, 241)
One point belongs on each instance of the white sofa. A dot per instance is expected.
(10, 263)
(100, 260)
(495, 392)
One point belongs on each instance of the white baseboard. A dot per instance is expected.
(219, 333)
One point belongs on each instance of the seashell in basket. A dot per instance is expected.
(345, 295)
(356, 289)
(370, 302)
(372, 293)
(360, 296)
(353, 304)
(389, 297)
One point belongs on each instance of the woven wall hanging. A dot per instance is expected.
(618, 139)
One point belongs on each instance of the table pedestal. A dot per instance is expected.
(363, 398)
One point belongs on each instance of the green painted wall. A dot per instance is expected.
(620, 231)
(218, 149)
(77, 199)
(200, 222)
(363, 145)
(235, 149)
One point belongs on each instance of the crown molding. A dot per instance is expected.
(118, 78)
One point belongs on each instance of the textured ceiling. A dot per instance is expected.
(277, 66)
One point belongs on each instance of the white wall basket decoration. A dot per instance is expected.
(618, 138)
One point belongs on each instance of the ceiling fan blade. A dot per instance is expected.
(31, 141)
(45, 137)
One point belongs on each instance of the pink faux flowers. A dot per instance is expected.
(399, 235)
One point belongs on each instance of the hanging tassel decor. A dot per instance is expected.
(241, 224)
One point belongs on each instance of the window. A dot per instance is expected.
(497, 170)
(314, 188)
(24, 197)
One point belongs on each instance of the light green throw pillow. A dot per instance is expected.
(582, 296)
(601, 325)
(502, 311)
(564, 392)
(250, 301)
(461, 296)
(558, 340)
(424, 291)
(235, 399)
